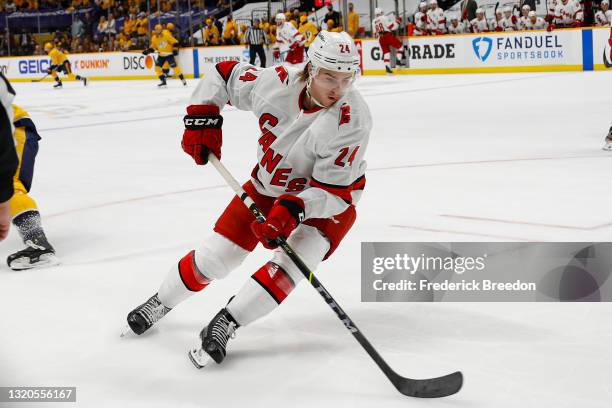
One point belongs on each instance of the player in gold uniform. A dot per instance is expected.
(60, 63)
(308, 30)
(24, 212)
(166, 46)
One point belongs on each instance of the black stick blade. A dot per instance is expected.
(430, 388)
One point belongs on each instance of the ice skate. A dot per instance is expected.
(145, 316)
(38, 253)
(214, 339)
(608, 142)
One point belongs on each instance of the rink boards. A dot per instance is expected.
(559, 50)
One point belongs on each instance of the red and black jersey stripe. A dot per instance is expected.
(344, 192)
(225, 69)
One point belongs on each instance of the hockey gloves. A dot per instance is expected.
(202, 132)
(286, 214)
(148, 51)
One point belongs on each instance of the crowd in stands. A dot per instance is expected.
(214, 33)
(430, 19)
(121, 25)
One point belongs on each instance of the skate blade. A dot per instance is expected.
(198, 357)
(607, 147)
(45, 261)
(127, 332)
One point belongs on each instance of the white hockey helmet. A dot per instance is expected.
(422, 5)
(334, 51)
(454, 17)
(507, 9)
(378, 11)
(432, 2)
(606, 2)
(526, 7)
(479, 11)
(280, 17)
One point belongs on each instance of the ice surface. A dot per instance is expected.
(514, 157)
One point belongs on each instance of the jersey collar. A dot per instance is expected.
(301, 103)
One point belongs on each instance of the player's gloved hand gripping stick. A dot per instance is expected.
(425, 388)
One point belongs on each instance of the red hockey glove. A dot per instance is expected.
(202, 132)
(285, 215)
(514, 20)
(551, 27)
(276, 53)
(577, 24)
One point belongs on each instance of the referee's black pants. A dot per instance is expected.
(257, 50)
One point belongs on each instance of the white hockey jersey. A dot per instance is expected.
(540, 24)
(493, 25)
(521, 23)
(568, 14)
(421, 24)
(315, 154)
(508, 24)
(384, 24)
(603, 19)
(288, 35)
(479, 26)
(437, 21)
(459, 29)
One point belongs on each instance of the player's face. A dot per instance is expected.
(604, 7)
(329, 86)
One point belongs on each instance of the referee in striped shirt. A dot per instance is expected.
(255, 37)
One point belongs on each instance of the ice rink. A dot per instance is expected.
(512, 157)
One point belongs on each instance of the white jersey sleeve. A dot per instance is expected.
(231, 82)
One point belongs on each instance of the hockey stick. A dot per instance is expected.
(426, 388)
(40, 79)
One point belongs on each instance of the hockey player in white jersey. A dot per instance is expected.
(479, 23)
(568, 13)
(288, 38)
(494, 22)
(384, 27)
(421, 24)
(455, 26)
(535, 23)
(509, 21)
(603, 17)
(521, 23)
(435, 16)
(309, 174)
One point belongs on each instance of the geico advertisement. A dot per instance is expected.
(101, 65)
(602, 48)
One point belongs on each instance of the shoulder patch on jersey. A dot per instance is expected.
(345, 114)
(225, 68)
